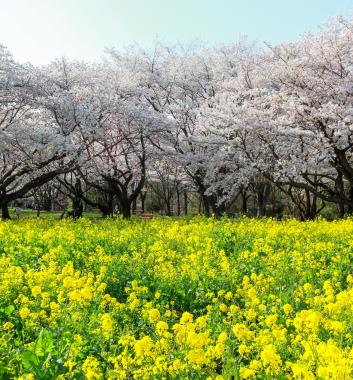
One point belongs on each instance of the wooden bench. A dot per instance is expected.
(146, 216)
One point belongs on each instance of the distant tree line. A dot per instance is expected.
(238, 128)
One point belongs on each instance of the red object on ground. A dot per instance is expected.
(146, 216)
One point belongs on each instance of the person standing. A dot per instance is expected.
(18, 212)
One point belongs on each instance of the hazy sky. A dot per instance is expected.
(40, 30)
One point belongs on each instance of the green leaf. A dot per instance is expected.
(45, 343)
(29, 359)
(9, 310)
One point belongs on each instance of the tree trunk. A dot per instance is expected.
(350, 196)
(143, 198)
(126, 210)
(178, 201)
(313, 208)
(218, 210)
(274, 203)
(341, 210)
(62, 214)
(106, 206)
(340, 190)
(261, 207)
(185, 202)
(47, 204)
(134, 204)
(5, 214)
(168, 207)
(263, 191)
(206, 205)
(200, 205)
(244, 202)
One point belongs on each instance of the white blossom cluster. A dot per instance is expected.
(221, 118)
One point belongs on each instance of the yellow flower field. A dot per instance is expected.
(176, 299)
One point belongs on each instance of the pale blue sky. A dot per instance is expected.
(40, 30)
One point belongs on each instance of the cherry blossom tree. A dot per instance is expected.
(290, 118)
(230, 122)
(37, 139)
